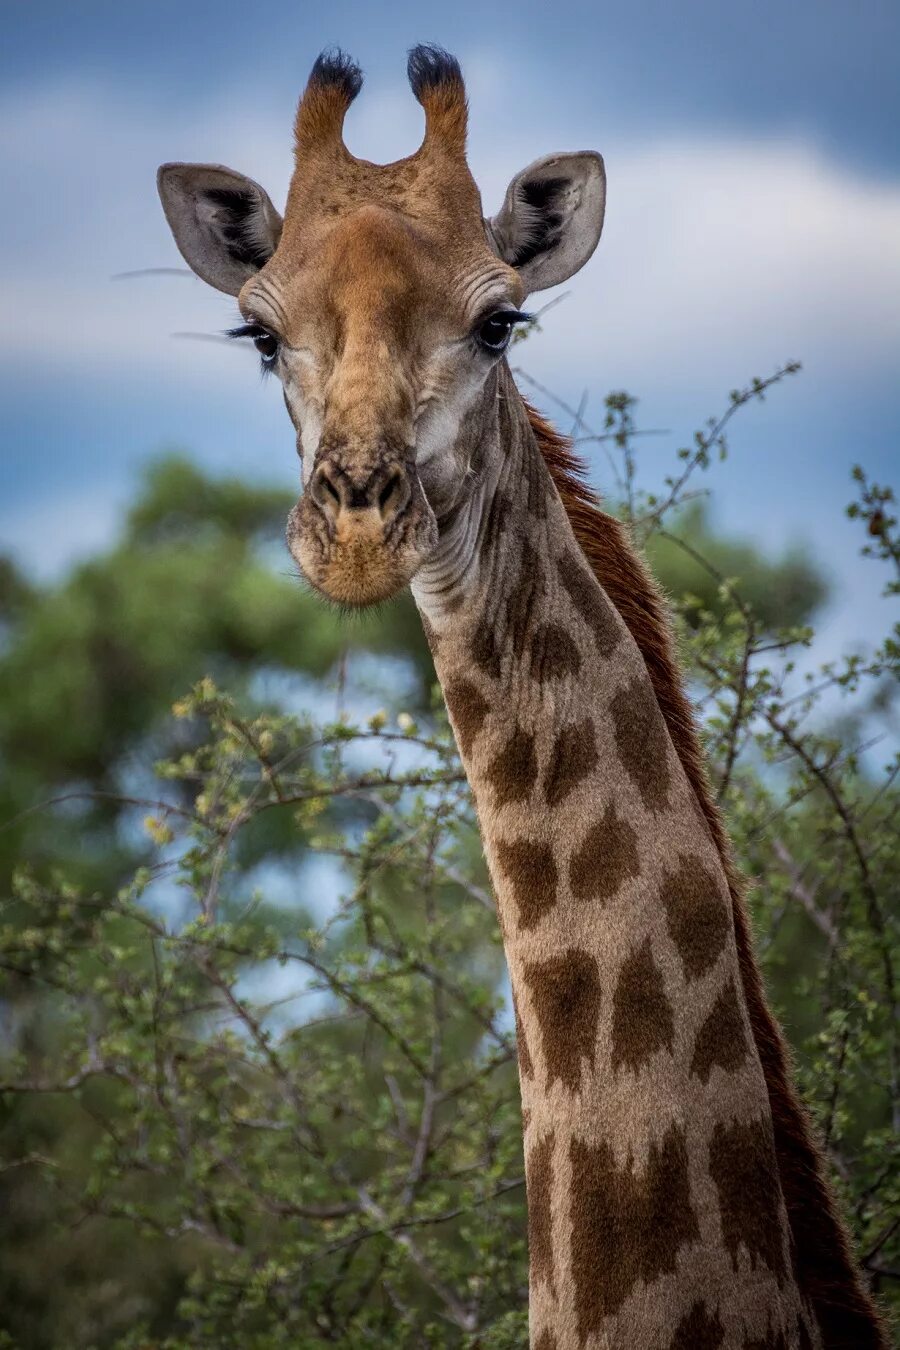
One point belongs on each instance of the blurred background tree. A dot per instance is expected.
(257, 1077)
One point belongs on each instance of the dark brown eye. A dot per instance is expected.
(494, 332)
(266, 345)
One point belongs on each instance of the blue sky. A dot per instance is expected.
(753, 216)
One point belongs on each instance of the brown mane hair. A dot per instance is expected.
(823, 1264)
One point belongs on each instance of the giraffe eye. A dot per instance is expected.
(266, 343)
(494, 332)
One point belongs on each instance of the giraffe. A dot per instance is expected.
(676, 1198)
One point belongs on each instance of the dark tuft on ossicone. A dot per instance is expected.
(429, 66)
(335, 67)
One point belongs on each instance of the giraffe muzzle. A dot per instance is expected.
(341, 496)
(361, 531)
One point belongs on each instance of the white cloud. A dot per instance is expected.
(721, 255)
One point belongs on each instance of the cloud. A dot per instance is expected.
(719, 254)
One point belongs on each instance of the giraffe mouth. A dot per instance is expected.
(362, 555)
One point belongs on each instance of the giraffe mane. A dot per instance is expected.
(821, 1248)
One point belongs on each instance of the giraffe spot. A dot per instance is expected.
(696, 913)
(773, 1340)
(698, 1330)
(513, 772)
(721, 1040)
(553, 653)
(525, 1064)
(743, 1167)
(565, 995)
(572, 759)
(485, 651)
(539, 1186)
(531, 869)
(642, 1015)
(626, 1226)
(642, 741)
(589, 599)
(607, 858)
(468, 708)
(498, 517)
(546, 1340)
(522, 600)
(537, 488)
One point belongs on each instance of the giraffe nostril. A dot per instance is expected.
(390, 489)
(335, 491)
(325, 492)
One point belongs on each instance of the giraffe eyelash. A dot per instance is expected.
(248, 330)
(258, 335)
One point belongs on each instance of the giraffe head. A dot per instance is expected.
(384, 302)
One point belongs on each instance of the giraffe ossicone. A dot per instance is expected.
(676, 1198)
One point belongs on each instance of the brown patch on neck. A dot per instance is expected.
(553, 654)
(627, 1225)
(485, 651)
(531, 869)
(696, 914)
(642, 1014)
(641, 741)
(539, 1184)
(524, 1053)
(742, 1165)
(607, 858)
(824, 1267)
(522, 601)
(573, 758)
(513, 771)
(468, 708)
(773, 1340)
(699, 1329)
(721, 1040)
(593, 608)
(565, 997)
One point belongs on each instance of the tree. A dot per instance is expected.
(277, 1110)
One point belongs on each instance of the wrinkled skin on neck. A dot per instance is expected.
(655, 1210)
(460, 488)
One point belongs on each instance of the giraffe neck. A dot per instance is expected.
(655, 1210)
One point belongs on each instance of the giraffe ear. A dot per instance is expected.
(551, 218)
(224, 224)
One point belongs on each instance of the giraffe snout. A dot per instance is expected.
(362, 527)
(341, 494)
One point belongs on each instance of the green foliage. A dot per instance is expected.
(259, 1083)
(875, 506)
(90, 667)
(780, 594)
